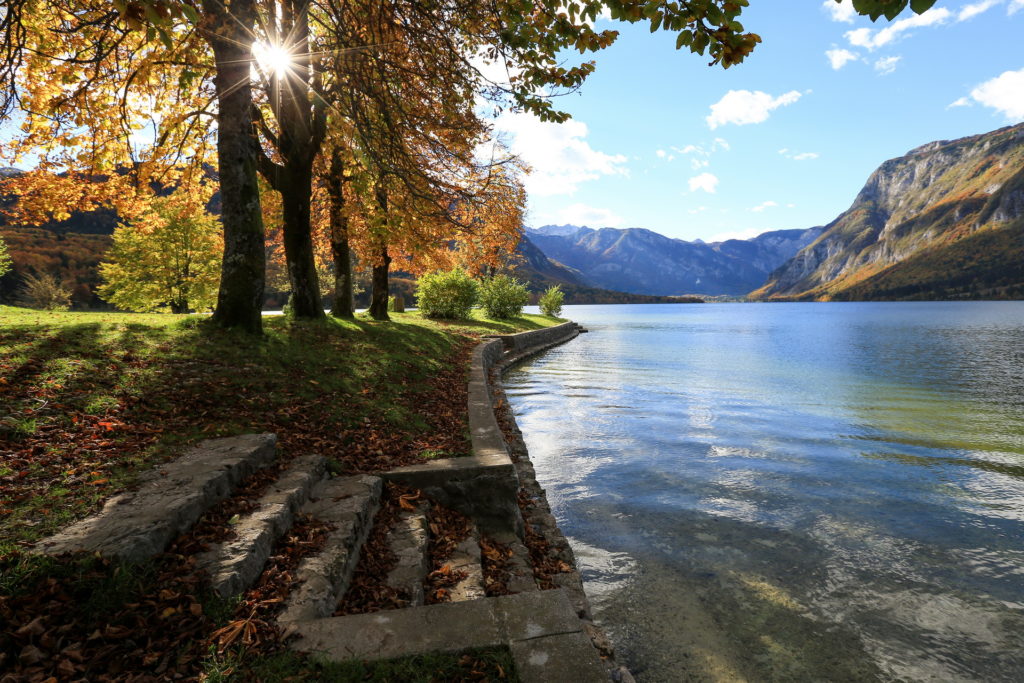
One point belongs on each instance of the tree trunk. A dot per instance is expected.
(343, 304)
(379, 292)
(296, 195)
(179, 307)
(240, 298)
(301, 131)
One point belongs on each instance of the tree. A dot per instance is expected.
(5, 259)
(166, 256)
(129, 92)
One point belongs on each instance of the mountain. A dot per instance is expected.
(944, 221)
(540, 272)
(645, 262)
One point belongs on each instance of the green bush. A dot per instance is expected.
(551, 301)
(450, 294)
(503, 297)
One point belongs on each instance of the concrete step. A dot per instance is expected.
(349, 504)
(138, 524)
(466, 558)
(409, 541)
(233, 566)
(540, 628)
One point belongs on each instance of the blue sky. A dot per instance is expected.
(660, 140)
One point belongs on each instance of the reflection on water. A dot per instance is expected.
(792, 491)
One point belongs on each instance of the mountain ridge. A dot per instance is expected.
(921, 221)
(642, 261)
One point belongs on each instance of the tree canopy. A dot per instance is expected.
(386, 95)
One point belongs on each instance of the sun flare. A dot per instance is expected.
(272, 58)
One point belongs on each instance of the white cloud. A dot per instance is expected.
(660, 153)
(1004, 93)
(695, 211)
(974, 9)
(1015, 6)
(872, 39)
(705, 181)
(763, 205)
(581, 214)
(742, 107)
(886, 65)
(747, 234)
(790, 206)
(838, 57)
(798, 156)
(960, 102)
(559, 153)
(840, 11)
(697, 164)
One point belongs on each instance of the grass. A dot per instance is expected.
(89, 400)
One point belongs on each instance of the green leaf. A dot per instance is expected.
(191, 13)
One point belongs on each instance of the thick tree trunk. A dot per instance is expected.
(379, 292)
(296, 195)
(343, 304)
(240, 299)
(301, 126)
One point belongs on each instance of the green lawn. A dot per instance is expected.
(88, 400)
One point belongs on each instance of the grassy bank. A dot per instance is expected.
(89, 400)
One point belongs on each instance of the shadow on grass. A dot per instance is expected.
(97, 402)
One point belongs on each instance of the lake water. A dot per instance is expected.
(795, 491)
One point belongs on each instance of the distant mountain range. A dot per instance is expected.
(945, 221)
(540, 272)
(645, 262)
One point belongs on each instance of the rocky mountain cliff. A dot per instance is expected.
(645, 262)
(943, 221)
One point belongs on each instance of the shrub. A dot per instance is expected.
(450, 294)
(551, 301)
(44, 291)
(503, 297)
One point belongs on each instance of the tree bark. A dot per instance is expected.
(343, 304)
(296, 195)
(379, 291)
(240, 298)
(301, 122)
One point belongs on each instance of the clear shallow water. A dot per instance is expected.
(792, 491)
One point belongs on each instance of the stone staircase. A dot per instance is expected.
(541, 628)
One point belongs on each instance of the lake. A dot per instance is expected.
(825, 491)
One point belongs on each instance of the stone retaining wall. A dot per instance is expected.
(484, 486)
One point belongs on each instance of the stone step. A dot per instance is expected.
(540, 628)
(233, 566)
(349, 504)
(466, 558)
(409, 541)
(168, 500)
(519, 567)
